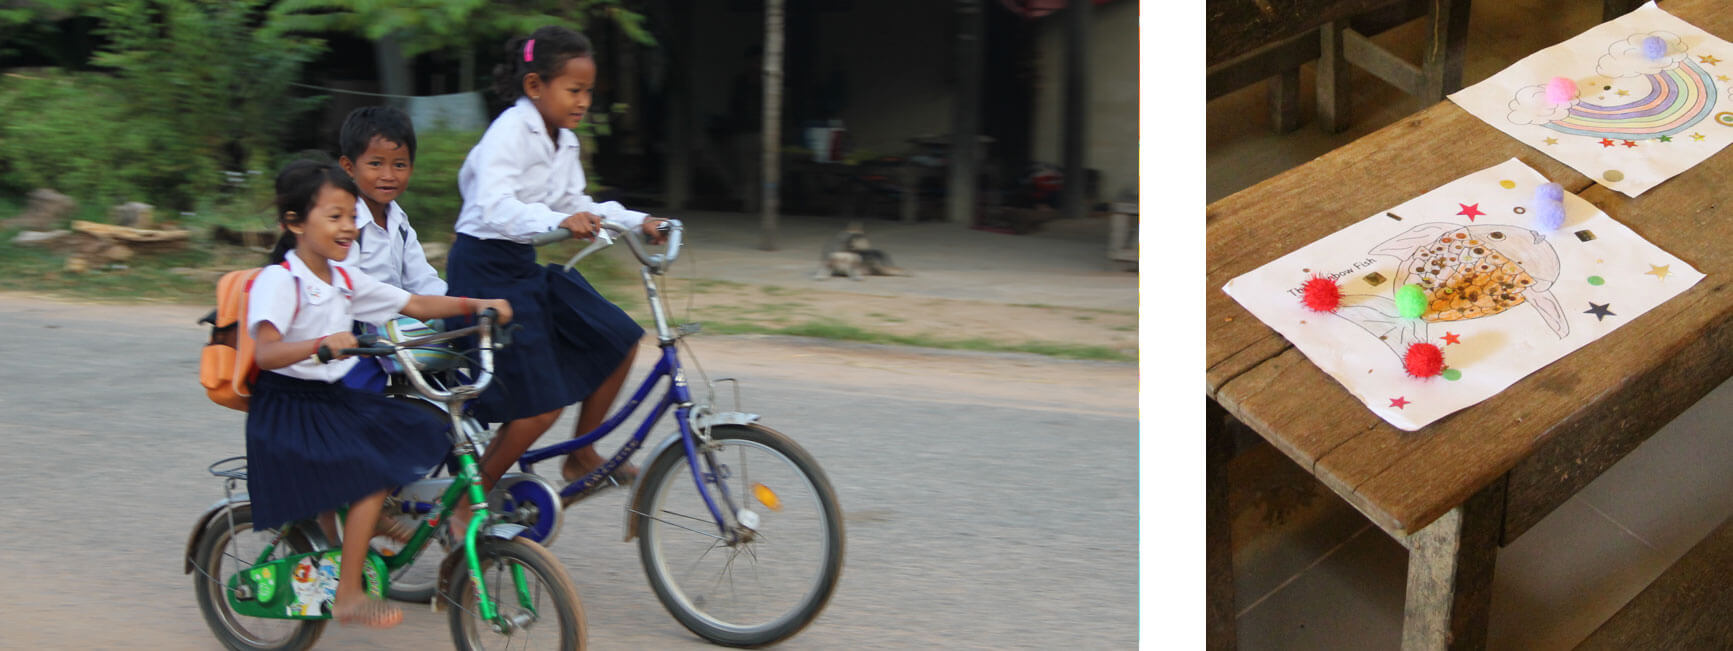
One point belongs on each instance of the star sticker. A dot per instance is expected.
(1605, 142)
(1471, 211)
(1709, 59)
(1399, 402)
(1659, 272)
(1665, 138)
(1551, 141)
(1622, 92)
(1452, 338)
(1722, 78)
(1600, 311)
(1630, 143)
(1696, 136)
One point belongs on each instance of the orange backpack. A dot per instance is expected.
(227, 368)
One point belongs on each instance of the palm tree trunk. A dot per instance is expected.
(772, 151)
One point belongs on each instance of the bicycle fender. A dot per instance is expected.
(673, 440)
(198, 531)
(454, 560)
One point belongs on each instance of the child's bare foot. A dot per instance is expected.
(371, 613)
(575, 469)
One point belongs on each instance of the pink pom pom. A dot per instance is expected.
(1561, 90)
(1423, 360)
(1322, 295)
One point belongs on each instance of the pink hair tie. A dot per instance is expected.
(529, 49)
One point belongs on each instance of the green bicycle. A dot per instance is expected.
(272, 589)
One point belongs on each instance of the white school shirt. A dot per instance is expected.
(391, 254)
(321, 309)
(516, 183)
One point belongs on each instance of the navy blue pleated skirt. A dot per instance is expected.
(571, 337)
(313, 446)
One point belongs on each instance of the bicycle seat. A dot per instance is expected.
(434, 358)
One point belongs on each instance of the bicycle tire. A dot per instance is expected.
(467, 627)
(210, 579)
(671, 495)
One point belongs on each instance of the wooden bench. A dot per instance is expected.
(1253, 40)
(1454, 491)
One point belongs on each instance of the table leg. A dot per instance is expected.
(1441, 66)
(1331, 83)
(1219, 632)
(1285, 101)
(1450, 566)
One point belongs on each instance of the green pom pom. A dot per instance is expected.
(1410, 301)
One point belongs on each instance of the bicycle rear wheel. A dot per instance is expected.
(779, 572)
(229, 546)
(535, 597)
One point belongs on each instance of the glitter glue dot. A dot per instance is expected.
(1507, 184)
(1597, 281)
(1613, 175)
(1451, 374)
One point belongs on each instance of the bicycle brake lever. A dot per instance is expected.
(502, 334)
(603, 240)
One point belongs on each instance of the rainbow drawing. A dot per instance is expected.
(1679, 97)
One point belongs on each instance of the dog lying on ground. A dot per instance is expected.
(850, 254)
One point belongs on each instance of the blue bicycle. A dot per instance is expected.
(738, 528)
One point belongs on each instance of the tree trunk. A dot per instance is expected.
(772, 174)
(1075, 202)
(394, 72)
(966, 114)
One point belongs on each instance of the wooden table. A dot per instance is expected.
(1456, 490)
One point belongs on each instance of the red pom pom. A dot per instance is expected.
(1322, 295)
(1423, 360)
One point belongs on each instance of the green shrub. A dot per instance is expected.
(77, 139)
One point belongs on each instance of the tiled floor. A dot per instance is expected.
(1311, 573)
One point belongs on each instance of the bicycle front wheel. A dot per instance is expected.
(777, 571)
(538, 604)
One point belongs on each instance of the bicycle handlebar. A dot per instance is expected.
(657, 262)
(373, 347)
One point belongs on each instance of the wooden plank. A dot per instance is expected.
(1685, 608)
(1450, 562)
(1295, 208)
(1260, 64)
(1384, 65)
(1235, 27)
(1285, 101)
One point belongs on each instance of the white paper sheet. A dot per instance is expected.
(1514, 298)
(1636, 119)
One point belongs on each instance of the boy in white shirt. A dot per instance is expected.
(377, 144)
(377, 147)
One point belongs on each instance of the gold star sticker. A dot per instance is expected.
(1551, 141)
(1696, 136)
(1722, 78)
(1659, 272)
(1709, 59)
(1622, 92)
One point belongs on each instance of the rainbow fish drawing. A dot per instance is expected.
(1679, 97)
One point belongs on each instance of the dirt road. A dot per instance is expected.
(990, 499)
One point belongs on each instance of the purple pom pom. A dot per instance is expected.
(1549, 215)
(1549, 192)
(1654, 47)
(1561, 90)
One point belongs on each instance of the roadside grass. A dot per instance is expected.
(823, 329)
(189, 276)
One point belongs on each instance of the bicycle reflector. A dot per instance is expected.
(766, 496)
